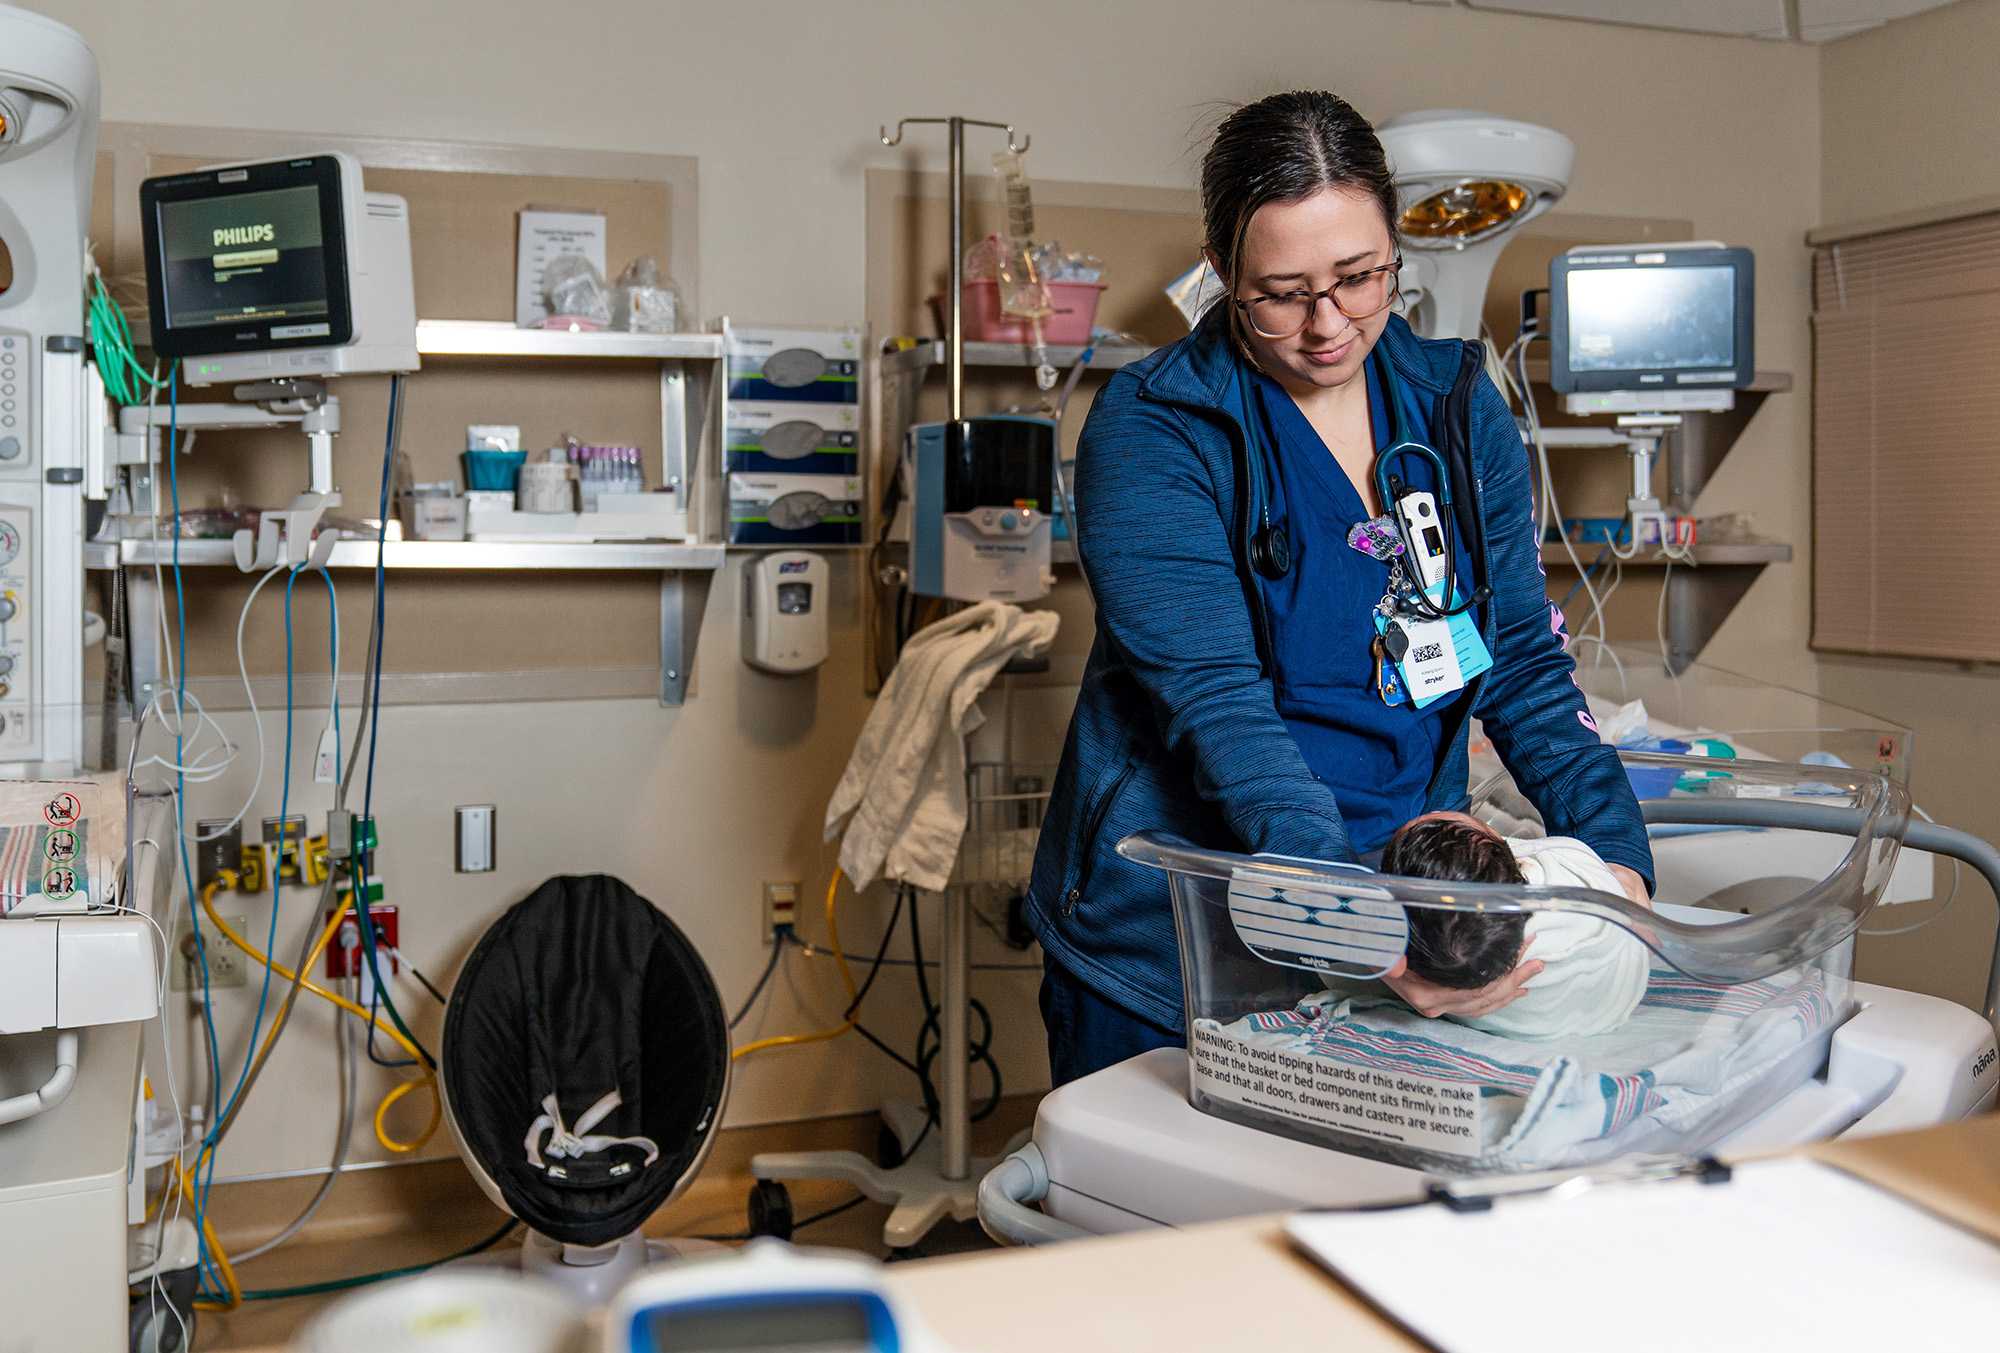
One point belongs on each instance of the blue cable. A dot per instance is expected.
(204, 1263)
(365, 858)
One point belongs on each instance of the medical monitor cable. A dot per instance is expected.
(177, 681)
(1551, 508)
(366, 854)
(347, 1075)
(228, 1110)
(284, 820)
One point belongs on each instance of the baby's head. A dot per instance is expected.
(1458, 949)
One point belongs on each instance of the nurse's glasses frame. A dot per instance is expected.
(1358, 296)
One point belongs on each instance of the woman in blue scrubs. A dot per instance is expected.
(1236, 695)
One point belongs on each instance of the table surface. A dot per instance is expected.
(1239, 1284)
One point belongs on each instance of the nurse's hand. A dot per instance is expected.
(1629, 880)
(1431, 1000)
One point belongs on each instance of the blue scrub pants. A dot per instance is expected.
(1088, 1033)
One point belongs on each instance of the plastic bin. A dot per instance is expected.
(1075, 313)
(492, 471)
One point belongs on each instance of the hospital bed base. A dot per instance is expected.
(1124, 1150)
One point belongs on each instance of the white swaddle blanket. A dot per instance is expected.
(1595, 973)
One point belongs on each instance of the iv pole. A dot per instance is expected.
(923, 1187)
(954, 1094)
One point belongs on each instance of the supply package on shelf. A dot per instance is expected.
(793, 365)
(794, 509)
(783, 437)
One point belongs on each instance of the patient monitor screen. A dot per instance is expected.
(1652, 319)
(246, 258)
(254, 256)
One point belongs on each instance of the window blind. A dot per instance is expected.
(1906, 442)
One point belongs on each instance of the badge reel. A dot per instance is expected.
(1433, 658)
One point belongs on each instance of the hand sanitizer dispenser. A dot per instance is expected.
(784, 618)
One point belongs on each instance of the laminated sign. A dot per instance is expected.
(1348, 931)
(61, 845)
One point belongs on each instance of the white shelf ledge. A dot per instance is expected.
(488, 338)
(449, 555)
(930, 353)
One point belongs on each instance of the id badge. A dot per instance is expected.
(1444, 655)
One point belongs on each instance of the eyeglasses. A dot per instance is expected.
(1357, 296)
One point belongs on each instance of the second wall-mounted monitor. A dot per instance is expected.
(1652, 327)
(278, 268)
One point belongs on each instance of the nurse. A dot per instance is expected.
(1241, 693)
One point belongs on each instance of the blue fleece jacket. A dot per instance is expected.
(1177, 726)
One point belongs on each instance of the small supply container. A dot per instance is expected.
(545, 487)
(492, 471)
(1069, 323)
(438, 516)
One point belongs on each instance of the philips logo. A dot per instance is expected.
(251, 234)
(1983, 1063)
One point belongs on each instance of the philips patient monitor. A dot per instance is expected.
(283, 268)
(1652, 328)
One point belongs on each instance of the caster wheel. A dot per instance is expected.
(157, 1328)
(888, 1148)
(770, 1210)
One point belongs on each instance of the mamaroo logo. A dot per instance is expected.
(251, 234)
(1983, 1063)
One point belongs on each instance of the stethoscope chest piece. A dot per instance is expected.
(1271, 551)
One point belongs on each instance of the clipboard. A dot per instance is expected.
(1659, 1255)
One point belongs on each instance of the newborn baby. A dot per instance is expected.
(1594, 973)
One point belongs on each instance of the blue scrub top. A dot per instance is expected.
(1377, 759)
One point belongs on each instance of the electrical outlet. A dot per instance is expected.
(228, 966)
(781, 908)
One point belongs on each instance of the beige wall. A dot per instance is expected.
(1906, 127)
(780, 101)
(1904, 116)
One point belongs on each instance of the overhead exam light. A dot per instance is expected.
(1469, 181)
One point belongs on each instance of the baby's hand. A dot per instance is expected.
(1431, 1000)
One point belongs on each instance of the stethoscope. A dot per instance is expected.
(1271, 545)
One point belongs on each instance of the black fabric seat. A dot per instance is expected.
(584, 989)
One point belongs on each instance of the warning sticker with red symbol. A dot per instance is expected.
(63, 810)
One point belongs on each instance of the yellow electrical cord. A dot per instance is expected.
(428, 1080)
(846, 977)
(179, 1178)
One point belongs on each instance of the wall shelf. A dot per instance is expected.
(930, 353)
(443, 555)
(691, 384)
(1722, 554)
(1699, 598)
(685, 574)
(487, 338)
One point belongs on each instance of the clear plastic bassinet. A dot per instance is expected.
(1288, 1031)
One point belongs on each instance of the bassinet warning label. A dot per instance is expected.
(1396, 1106)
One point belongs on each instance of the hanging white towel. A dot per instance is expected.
(902, 800)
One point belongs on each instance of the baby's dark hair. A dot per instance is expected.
(1459, 949)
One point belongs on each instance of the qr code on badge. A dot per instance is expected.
(1428, 653)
